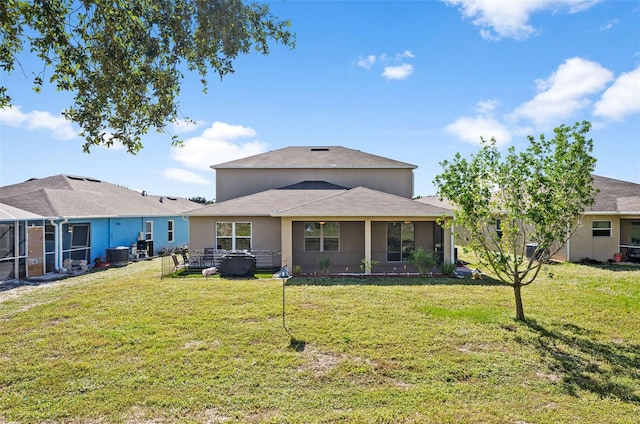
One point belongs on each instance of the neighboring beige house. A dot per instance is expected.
(299, 204)
(611, 226)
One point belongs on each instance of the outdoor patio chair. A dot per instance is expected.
(177, 265)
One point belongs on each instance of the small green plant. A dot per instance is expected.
(447, 268)
(324, 264)
(297, 270)
(423, 260)
(367, 266)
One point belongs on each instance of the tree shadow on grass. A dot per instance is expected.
(392, 280)
(610, 369)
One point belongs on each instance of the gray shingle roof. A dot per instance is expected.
(314, 157)
(356, 202)
(616, 196)
(72, 196)
(9, 213)
(264, 203)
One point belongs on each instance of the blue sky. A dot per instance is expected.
(414, 81)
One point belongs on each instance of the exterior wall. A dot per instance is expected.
(116, 232)
(232, 183)
(352, 248)
(265, 231)
(584, 245)
(348, 259)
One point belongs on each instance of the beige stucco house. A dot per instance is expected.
(299, 204)
(611, 226)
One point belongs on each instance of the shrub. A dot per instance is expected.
(447, 268)
(423, 260)
(368, 265)
(324, 264)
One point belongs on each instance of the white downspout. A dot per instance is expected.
(452, 236)
(58, 240)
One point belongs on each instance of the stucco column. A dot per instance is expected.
(367, 244)
(448, 239)
(286, 241)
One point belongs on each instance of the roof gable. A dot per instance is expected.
(297, 157)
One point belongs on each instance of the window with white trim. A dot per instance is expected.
(233, 235)
(148, 230)
(170, 230)
(601, 228)
(321, 236)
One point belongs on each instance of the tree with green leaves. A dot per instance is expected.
(536, 197)
(124, 60)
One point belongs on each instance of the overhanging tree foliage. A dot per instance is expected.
(536, 197)
(124, 59)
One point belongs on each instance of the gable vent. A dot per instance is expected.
(319, 149)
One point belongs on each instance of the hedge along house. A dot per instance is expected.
(22, 243)
(301, 204)
(86, 216)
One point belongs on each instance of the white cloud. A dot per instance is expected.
(407, 54)
(184, 126)
(217, 144)
(392, 68)
(622, 98)
(398, 72)
(470, 129)
(60, 128)
(115, 143)
(366, 62)
(184, 176)
(510, 19)
(486, 107)
(609, 25)
(565, 92)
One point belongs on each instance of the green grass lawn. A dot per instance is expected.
(123, 345)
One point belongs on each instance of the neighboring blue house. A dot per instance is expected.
(83, 218)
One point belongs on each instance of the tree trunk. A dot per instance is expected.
(518, 295)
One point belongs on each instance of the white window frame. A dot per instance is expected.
(170, 230)
(605, 231)
(234, 237)
(148, 230)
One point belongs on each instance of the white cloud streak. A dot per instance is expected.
(565, 92)
(395, 67)
(59, 127)
(218, 143)
(367, 62)
(510, 19)
(470, 129)
(399, 72)
(622, 98)
(184, 176)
